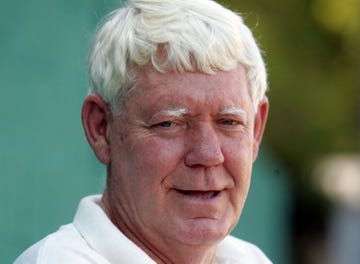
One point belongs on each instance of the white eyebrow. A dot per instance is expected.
(175, 112)
(233, 111)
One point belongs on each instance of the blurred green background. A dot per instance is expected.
(312, 49)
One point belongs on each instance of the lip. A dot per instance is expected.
(207, 195)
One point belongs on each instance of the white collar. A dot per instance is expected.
(103, 236)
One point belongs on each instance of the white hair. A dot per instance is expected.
(196, 35)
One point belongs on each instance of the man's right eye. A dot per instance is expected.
(168, 127)
(165, 124)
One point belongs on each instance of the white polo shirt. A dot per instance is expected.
(93, 239)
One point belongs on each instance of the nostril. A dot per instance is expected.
(198, 158)
(196, 166)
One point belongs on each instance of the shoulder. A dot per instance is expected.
(237, 251)
(64, 246)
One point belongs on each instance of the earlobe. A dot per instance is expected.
(95, 123)
(259, 125)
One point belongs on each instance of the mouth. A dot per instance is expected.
(203, 195)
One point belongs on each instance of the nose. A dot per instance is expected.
(203, 147)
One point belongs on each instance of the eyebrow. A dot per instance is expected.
(233, 111)
(175, 112)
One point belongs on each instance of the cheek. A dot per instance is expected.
(153, 160)
(239, 166)
(238, 162)
(156, 158)
(142, 166)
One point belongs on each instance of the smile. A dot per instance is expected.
(204, 195)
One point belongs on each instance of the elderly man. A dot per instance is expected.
(176, 112)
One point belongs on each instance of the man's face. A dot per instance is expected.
(181, 156)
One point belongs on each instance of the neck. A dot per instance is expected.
(161, 251)
(181, 254)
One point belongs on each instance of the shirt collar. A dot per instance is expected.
(103, 236)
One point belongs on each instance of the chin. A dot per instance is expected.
(204, 231)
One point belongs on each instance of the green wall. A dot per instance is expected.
(46, 165)
(45, 162)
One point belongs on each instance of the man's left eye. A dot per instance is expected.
(228, 122)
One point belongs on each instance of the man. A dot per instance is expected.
(176, 112)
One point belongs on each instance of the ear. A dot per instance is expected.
(259, 125)
(96, 124)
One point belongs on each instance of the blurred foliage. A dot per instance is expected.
(312, 52)
(342, 17)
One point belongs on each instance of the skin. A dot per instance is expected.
(179, 159)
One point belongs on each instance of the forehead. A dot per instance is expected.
(150, 76)
(223, 89)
